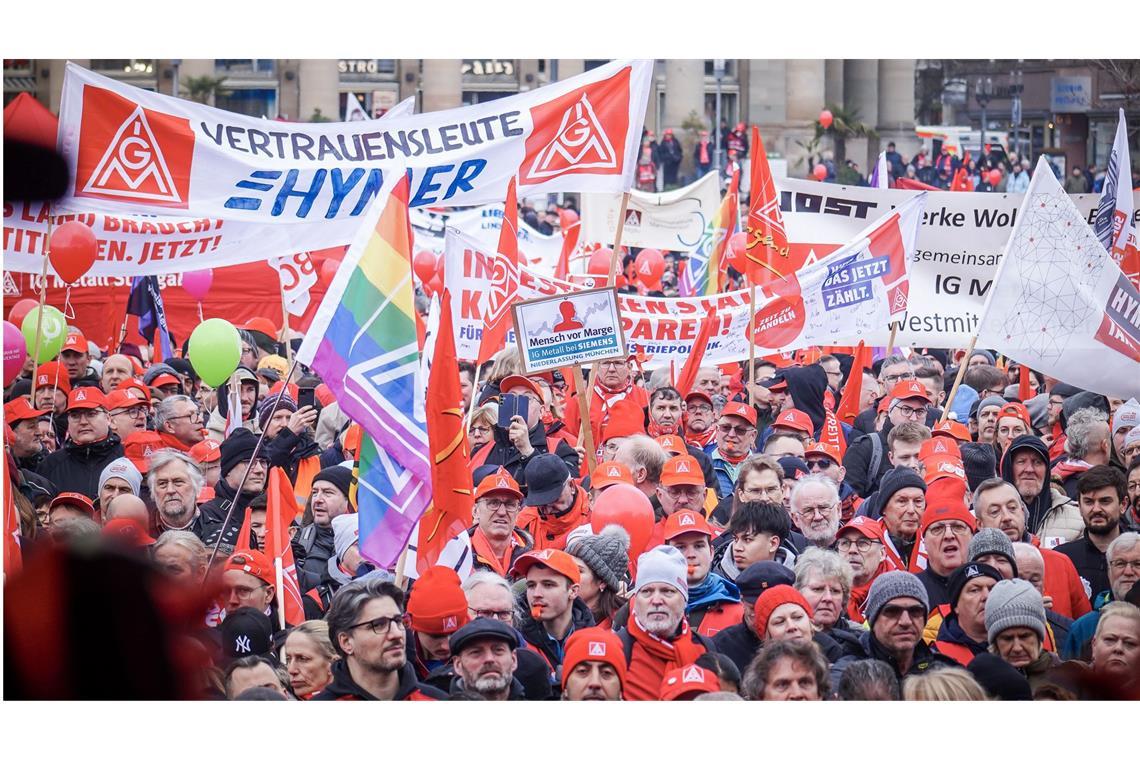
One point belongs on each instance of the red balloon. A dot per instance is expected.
(825, 118)
(620, 282)
(20, 310)
(600, 262)
(819, 172)
(73, 251)
(650, 265)
(328, 272)
(624, 505)
(426, 265)
(994, 176)
(736, 252)
(433, 286)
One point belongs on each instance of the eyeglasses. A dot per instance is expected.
(738, 430)
(244, 592)
(195, 416)
(897, 378)
(895, 612)
(938, 530)
(821, 511)
(1120, 564)
(862, 544)
(496, 504)
(910, 412)
(750, 493)
(611, 364)
(383, 624)
(819, 464)
(500, 615)
(698, 408)
(480, 429)
(133, 412)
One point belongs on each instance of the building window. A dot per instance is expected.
(589, 64)
(728, 108)
(473, 97)
(124, 65)
(245, 65)
(729, 67)
(251, 102)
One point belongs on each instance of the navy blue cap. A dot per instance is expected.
(482, 628)
(761, 576)
(794, 467)
(546, 476)
(246, 631)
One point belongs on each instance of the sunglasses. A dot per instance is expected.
(819, 464)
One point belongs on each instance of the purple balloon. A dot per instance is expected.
(197, 284)
(15, 352)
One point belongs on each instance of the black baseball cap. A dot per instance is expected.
(482, 628)
(246, 631)
(546, 476)
(761, 576)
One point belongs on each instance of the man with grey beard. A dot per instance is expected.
(658, 638)
(484, 658)
(815, 509)
(174, 481)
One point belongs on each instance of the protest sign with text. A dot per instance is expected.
(672, 221)
(579, 327)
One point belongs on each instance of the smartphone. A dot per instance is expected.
(306, 397)
(510, 405)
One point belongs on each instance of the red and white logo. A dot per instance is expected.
(940, 448)
(544, 554)
(693, 674)
(682, 467)
(504, 288)
(130, 153)
(686, 520)
(502, 483)
(613, 472)
(597, 649)
(581, 132)
(450, 624)
(81, 395)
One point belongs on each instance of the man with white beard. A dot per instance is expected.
(815, 509)
(483, 655)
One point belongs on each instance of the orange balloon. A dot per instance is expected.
(73, 251)
(600, 261)
(738, 251)
(826, 118)
(819, 172)
(624, 505)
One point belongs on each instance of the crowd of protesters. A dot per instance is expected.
(987, 553)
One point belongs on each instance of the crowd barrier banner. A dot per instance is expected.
(672, 221)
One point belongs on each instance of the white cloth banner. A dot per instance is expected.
(1114, 226)
(538, 251)
(1059, 303)
(672, 221)
(960, 244)
(134, 151)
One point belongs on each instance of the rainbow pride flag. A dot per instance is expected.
(707, 264)
(363, 344)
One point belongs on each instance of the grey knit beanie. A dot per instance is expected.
(991, 541)
(606, 554)
(1014, 604)
(893, 585)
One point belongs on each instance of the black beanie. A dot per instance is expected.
(1001, 680)
(236, 449)
(897, 479)
(979, 461)
(963, 575)
(341, 477)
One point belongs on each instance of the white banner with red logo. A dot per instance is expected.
(960, 244)
(134, 151)
(672, 221)
(1059, 302)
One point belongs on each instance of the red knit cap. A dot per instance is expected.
(946, 500)
(437, 605)
(593, 645)
(626, 418)
(767, 603)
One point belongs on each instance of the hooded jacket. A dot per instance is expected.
(77, 467)
(714, 605)
(216, 424)
(807, 386)
(953, 642)
(343, 688)
(551, 532)
(213, 512)
(535, 634)
(1053, 517)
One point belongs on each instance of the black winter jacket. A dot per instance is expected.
(77, 468)
(925, 659)
(342, 687)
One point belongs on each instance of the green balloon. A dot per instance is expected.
(215, 350)
(53, 332)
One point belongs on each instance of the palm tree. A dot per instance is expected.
(845, 123)
(203, 89)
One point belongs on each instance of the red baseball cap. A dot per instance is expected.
(593, 645)
(865, 526)
(127, 530)
(163, 378)
(53, 374)
(499, 481)
(519, 381)
(685, 521)
(610, 473)
(951, 429)
(949, 507)
(1017, 411)
(437, 605)
(910, 389)
(18, 410)
(828, 450)
(737, 409)
(687, 682)
(673, 444)
(207, 450)
(941, 445)
(262, 325)
(253, 562)
(139, 446)
(120, 399)
(794, 419)
(558, 561)
(699, 394)
(626, 419)
(682, 470)
(942, 466)
(131, 382)
(84, 397)
(75, 342)
(72, 499)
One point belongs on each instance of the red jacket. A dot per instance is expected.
(649, 658)
(1063, 584)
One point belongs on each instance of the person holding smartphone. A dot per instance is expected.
(519, 433)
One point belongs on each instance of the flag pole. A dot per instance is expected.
(474, 395)
(751, 343)
(241, 484)
(279, 579)
(43, 300)
(401, 577)
(958, 378)
(587, 432)
(285, 331)
(891, 340)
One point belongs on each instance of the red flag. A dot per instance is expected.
(767, 248)
(452, 495)
(504, 281)
(571, 230)
(280, 510)
(831, 435)
(243, 539)
(693, 364)
(849, 405)
(13, 551)
(1023, 391)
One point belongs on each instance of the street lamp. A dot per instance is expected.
(983, 92)
(1016, 87)
(718, 72)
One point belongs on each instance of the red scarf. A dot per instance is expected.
(732, 459)
(170, 442)
(656, 431)
(551, 532)
(700, 440)
(501, 564)
(652, 658)
(859, 594)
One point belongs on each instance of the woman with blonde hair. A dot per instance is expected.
(943, 685)
(308, 655)
(482, 427)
